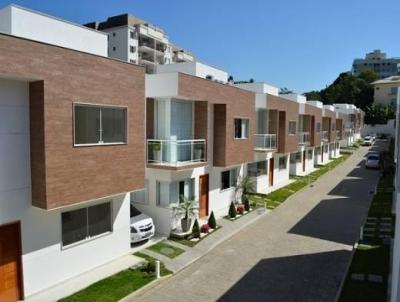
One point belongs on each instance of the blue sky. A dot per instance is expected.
(299, 44)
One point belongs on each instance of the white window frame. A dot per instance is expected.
(245, 133)
(231, 180)
(88, 238)
(100, 143)
(176, 182)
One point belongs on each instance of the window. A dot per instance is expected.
(141, 196)
(114, 34)
(333, 127)
(393, 90)
(257, 168)
(292, 127)
(295, 157)
(310, 154)
(241, 128)
(132, 34)
(114, 48)
(169, 192)
(99, 125)
(132, 49)
(318, 127)
(85, 223)
(282, 163)
(228, 179)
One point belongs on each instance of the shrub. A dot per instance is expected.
(205, 228)
(196, 229)
(246, 204)
(240, 209)
(212, 223)
(232, 210)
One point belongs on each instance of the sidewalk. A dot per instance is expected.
(191, 254)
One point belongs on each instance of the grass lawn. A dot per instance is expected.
(161, 248)
(275, 198)
(116, 287)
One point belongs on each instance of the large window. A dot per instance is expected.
(241, 128)
(257, 168)
(318, 127)
(292, 127)
(170, 192)
(229, 179)
(282, 163)
(85, 223)
(99, 125)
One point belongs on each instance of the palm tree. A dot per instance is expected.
(245, 186)
(186, 208)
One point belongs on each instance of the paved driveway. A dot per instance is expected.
(299, 252)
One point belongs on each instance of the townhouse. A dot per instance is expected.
(85, 135)
(72, 148)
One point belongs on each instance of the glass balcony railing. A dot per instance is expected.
(265, 141)
(176, 152)
(325, 135)
(304, 138)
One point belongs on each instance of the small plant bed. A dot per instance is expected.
(190, 241)
(166, 249)
(240, 211)
(118, 286)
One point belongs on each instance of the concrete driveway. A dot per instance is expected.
(299, 252)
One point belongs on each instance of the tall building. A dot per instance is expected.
(378, 62)
(137, 41)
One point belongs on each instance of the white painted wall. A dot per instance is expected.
(37, 26)
(163, 85)
(45, 262)
(299, 98)
(281, 176)
(389, 129)
(118, 38)
(259, 87)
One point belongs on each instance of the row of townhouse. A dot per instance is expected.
(85, 135)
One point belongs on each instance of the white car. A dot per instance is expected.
(368, 141)
(142, 226)
(372, 161)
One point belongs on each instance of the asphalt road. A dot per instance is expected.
(299, 252)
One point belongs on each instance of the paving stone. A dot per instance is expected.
(375, 278)
(359, 277)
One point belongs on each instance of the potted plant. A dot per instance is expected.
(186, 208)
(245, 186)
(157, 151)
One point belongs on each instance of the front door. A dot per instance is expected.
(304, 160)
(271, 172)
(204, 187)
(10, 263)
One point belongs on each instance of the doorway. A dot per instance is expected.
(304, 160)
(271, 172)
(204, 188)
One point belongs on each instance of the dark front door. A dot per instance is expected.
(304, 160)
(271, 172)
(10, 263)
(204, 187)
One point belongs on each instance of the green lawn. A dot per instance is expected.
(120, 285)
(160, 249)
(275, 198)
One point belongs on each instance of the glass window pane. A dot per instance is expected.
(113, 122)
(238, 128)
(87, 124)
(225, 180)
(99, 219)
(233, 177)
(163, 194)
(74, 226)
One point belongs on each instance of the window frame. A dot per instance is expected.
(230, 179)
(279, 163)
(295, 127)
(248, 128)
(77, 104)
(88, 238)
(259, 171)
(192, 182)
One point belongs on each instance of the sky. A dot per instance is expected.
(299, 44)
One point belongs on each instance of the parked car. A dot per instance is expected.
(368, 141)
(142, 226)
(373, 161)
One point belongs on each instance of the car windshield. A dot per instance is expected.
(134, 211)
(373, 157)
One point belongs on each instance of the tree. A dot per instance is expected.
(251, 80)
(212, 223)
(313, 95)
(232, 210)
(285, 90)
(379, 114)
(196, 229)
(230, 79)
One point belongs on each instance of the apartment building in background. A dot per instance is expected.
(378, 62)
(72, 150)
(385, 91)
(137, 41)
(76, 151)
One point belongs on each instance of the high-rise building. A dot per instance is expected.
(378, 62)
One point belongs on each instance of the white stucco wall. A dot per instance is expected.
(161, 85)
(45, 262)
(25, 23)
(118, 38)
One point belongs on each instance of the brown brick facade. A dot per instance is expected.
(317, 114)
(61, 173)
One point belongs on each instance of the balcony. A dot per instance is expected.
(176, 153)
(338, 134)
(325, 136)
(265, 142)
(304, 138)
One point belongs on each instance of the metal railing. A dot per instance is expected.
(176, 152)
(265, 141)
(325, 135)
(304, 138)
